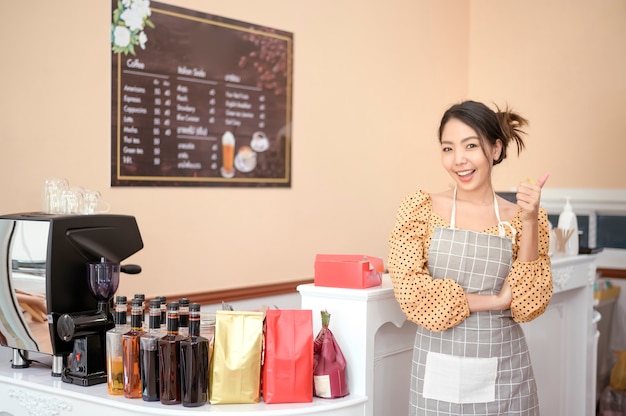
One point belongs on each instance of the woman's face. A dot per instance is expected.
(464, 155)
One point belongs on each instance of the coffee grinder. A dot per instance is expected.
(71, 264)
(87, 363)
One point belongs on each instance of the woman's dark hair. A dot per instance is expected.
(490, 125)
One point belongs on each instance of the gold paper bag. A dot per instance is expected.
(236, 364)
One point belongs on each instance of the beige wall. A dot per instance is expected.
(371, 79)
(562, 63)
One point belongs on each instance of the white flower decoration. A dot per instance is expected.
(143, 39)
(133, 20)
(121, 36)
(129, 21)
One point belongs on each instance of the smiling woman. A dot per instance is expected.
(466, 274)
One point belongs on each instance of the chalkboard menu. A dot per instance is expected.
(197, 99)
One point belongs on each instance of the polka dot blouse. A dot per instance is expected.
(439, 304)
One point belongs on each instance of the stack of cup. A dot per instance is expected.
(53, 190)
(60, 198)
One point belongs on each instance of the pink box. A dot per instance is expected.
(352, 271)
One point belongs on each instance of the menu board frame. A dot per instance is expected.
(247, 106)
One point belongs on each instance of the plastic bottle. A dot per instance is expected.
(568, 221)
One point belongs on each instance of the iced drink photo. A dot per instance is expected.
(228, 154)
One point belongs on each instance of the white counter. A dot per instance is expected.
(34, 392)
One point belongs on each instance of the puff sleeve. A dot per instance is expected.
(531, 282)
(435, 304)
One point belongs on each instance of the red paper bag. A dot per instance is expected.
(288, 363)
(329, 364)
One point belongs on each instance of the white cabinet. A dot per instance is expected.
(563, 341)
(375, 338)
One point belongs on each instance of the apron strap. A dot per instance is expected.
(453, 215)
(501, 224)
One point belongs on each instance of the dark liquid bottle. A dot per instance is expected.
(149, 354)
(130, 345)
(163, 300)
(183, 317)
(169, 358)
(194, 362)
(143, 306)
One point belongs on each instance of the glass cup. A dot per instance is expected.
(93, 203)
(53, 189)
(72, 200)
(228, 155)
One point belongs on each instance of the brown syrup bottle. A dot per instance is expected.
(183, 317)
(169, 358)
(194, 362)
(149, 354)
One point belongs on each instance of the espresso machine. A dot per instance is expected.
(58, 277)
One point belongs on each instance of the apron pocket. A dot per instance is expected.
(460, 379)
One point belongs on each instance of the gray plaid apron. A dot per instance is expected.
(481, 366)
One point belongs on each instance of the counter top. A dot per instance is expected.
(562, 269)
(33, 391)
(573, 272)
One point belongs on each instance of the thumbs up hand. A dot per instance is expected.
(529, 195)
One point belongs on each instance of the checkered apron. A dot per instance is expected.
(481, 366)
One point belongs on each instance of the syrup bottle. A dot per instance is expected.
(183, 317)
(143, 306)
(169, 359)
(194, 362)
(149, 353)
(163, 301)
(130, 345)
(114, 351)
